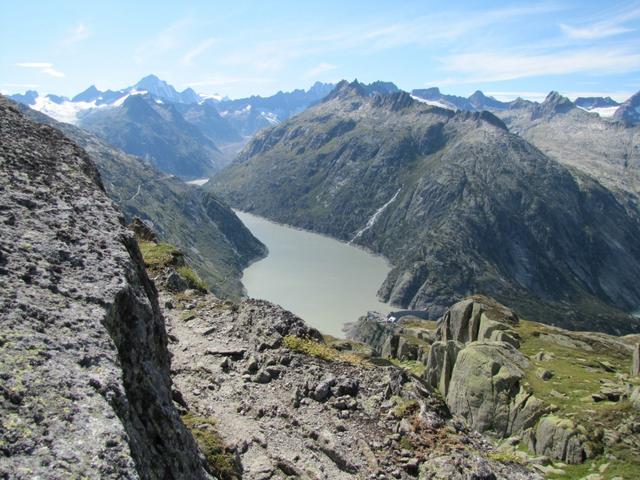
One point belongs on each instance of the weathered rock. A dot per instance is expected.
(635, 360)
(477, 318)
(440, 363)
(485, 388)
(86, 391)
(559, 438)
(142, 231)
(175, 283)
(544, 374)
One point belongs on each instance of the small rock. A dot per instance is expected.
(544, 374)
(252, 365)
(322, 391)
(261, 377)
(175, 283)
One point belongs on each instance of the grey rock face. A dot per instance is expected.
(479, 373)
(476, 318)
(486, 389)
(629, 111)
(635, 360)
(559, 438)
(85, 390)
(212, 238)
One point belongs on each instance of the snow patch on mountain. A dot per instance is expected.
(433, 103)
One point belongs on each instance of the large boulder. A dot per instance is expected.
(477, 367)
(559, 438)
(486, 389)
(635, 361)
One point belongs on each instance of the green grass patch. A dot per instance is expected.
(321, 350)
(159, 255)
(221, 462)
(404, 407)
(504, 456)
(412, 366)
(192, 278)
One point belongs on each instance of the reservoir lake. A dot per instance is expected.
(324, 281)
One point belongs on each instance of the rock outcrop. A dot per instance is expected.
(85, 390)
(635, 360)
(476, 365)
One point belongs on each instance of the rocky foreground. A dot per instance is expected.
(568, 402)
(287, 405)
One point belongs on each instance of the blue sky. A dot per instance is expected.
(240, 48)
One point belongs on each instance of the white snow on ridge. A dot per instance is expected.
(199, 182)
(605, 112)
(69, 112)
(433, 103)
(374, 217)
(63, 112)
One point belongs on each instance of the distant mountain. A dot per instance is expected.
(205, 117)
(629, 111)
(478, 101)
(457, 203)
(604, 149)
(214, 240)
(149, 128)
(248, 115)
(72, 110)
(589, 103)
(161, 90)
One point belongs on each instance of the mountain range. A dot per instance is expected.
(457, 202)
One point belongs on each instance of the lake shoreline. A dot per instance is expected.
(323, 280)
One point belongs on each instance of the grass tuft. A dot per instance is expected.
(220, 461)
(321, 350)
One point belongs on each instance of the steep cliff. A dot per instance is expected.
(85, 390)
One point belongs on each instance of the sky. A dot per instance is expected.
(239, 48)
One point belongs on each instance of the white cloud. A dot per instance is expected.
(187, 59)
(319, 70)
(44, 67)
(164, 41)
(223, 81)
(613, 24)
(592, 32)
(499, 66)
(77, 34)
(35, 64)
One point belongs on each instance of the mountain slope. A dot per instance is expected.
(157, 131)
(455, 201)
(477, 102)
(629, 111)
(214, 240)
(607, 150)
